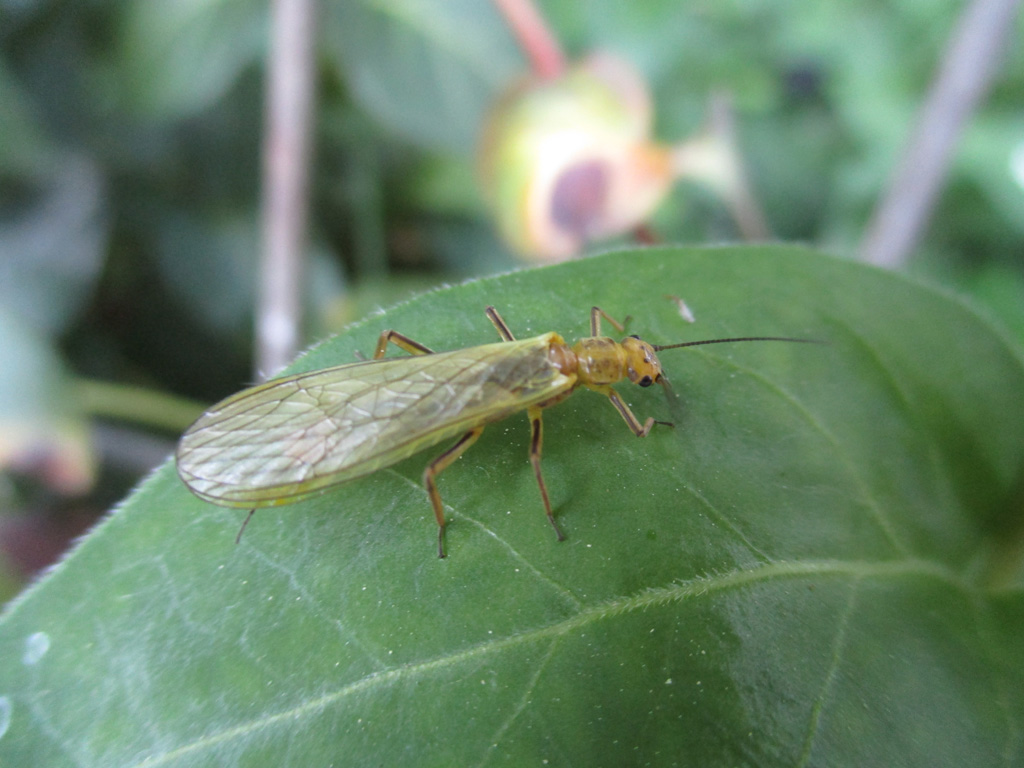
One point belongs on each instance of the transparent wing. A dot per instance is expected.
(290, 438)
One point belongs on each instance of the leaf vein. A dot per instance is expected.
(838, 646)
(650, 598)
(524, 700)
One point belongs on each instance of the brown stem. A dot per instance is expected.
(286, 156)
(967, 69)
(535, 37)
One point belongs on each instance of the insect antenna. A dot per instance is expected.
(245, 522)
(659, 348)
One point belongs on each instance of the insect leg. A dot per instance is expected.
(241, 530)
(640, 430)
(536, 439)
(503, 329)
(436, 467)
(399, 340)
(596, 313)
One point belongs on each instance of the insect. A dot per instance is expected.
(296, 436)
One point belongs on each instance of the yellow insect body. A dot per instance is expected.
(296, 436)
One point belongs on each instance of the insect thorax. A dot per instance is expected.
(601, 360)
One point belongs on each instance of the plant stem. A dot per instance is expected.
(286, 155)
(967, 69)
(535, 37)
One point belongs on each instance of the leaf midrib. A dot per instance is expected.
(648, 598)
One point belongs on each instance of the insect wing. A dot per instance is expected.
(291, 438)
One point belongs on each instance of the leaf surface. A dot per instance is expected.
(819, 565)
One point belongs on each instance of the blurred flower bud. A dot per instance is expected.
(565, 161)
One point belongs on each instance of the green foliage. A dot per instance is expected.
(428, 71)
(163, 103)
(819, 565)
(821, 560)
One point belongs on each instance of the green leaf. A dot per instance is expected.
(52, 242)
(428, 70)
(178, 58)
(819, 565)
(44, 431)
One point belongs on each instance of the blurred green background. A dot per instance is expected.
(130, 138)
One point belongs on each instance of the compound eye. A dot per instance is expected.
(646, 381)
(634, 336)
